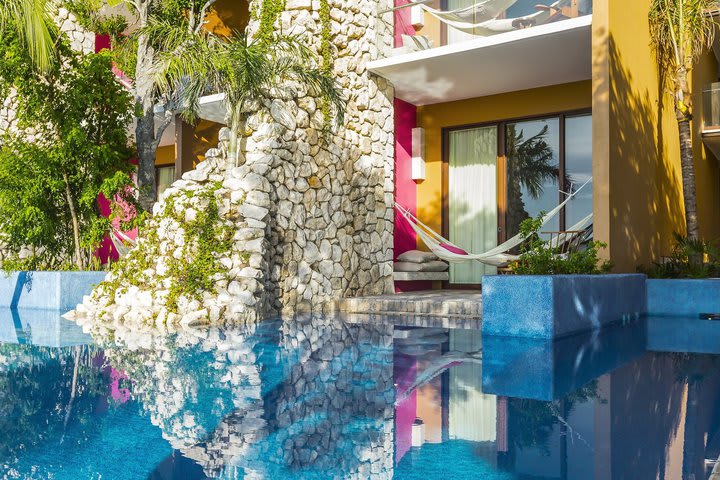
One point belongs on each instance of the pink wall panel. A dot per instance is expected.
(402, 22)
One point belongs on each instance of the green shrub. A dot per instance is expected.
(78, 116)
(689, 259)
(539, 258)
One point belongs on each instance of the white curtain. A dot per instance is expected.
(165, 178)
(472, 413)
(472, 192)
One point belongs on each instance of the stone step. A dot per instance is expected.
(445, 303)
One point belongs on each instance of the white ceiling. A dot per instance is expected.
(212, 107)
(546, 55)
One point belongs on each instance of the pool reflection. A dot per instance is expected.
(318, 398)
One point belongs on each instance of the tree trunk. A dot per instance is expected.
(145, 130)
(145, 138)
(687, 163)
(683, 112)
(75, 224)
(73, 394)
(234, 145)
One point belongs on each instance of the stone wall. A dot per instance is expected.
(313, 211)
(331, 227)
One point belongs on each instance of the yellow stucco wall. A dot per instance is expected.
(636, 166)
(197, 139)
(707, 167)
(433, 118)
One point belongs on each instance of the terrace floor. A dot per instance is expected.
(457, 304)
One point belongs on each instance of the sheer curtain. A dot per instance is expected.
(472, 202)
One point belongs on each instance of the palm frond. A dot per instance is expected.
(32, 21)
(680, 31)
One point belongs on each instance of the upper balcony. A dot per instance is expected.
(711, 117)
(473, 48)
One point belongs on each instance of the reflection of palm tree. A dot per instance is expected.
(530, 165)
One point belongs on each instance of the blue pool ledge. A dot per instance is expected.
(683, 298)
(46, 290)
(555, 306)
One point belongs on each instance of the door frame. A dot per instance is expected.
(501, 171)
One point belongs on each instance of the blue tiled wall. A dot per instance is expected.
(683, 298)
(560, 305)
(47, 290)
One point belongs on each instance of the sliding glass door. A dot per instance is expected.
(533, 171)
(535, 161)
(472, 198)
(578, 167)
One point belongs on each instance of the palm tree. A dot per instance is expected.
(32, 21)
(680, 31)
(246, 70)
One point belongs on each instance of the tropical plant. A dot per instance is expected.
(71, 147)
(247, 71)
(689, 259)
(681, 31)
(539, 257)
(31, 21)
(137, 55)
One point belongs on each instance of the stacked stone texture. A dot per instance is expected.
(332, 217)
(315, 210)
(238, 295)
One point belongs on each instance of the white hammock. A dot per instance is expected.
(481, 19)
(497, 256)
(122, 243)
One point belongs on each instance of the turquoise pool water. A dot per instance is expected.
(320, 397)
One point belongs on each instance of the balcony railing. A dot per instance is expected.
(711, 108)
(418, 25)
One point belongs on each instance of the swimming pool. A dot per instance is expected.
(320, 397)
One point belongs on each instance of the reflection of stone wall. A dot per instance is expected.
(327, 402)
(190, 382)
(332, 413)
(335, 411)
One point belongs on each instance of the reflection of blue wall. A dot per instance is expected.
(40, 327)
(552, 369)
(691, 335)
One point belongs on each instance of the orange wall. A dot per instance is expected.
(165, 156)
(229, 16)
(495, 108)
(196, 140)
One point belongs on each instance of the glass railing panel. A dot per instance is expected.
(711, 107)
(426, 24)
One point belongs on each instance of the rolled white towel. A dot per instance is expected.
(436, 266)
